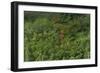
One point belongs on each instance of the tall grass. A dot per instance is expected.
(56, 36)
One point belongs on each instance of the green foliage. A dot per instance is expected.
(56, 36)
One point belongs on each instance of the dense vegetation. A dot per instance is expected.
(56, 36)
